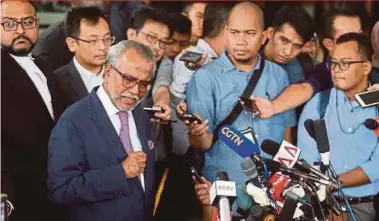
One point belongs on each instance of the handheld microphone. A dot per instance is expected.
(238, 142)
(222, 189)
(248, 167)
(288, 155)
(373, 124)
(322, 141)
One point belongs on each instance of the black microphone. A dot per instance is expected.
(322, 141)
(373, 124)
(309, 127)
(271, 147)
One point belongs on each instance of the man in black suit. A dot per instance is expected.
(51, 45)
(89, 38)
(31, 104)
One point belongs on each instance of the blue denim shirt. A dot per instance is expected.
(213, 92)
(294, 70)
(352, 145)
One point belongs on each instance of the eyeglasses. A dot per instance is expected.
(27, 23)
(129, 81)
(106, 41)
(343, 65)
(152, 40)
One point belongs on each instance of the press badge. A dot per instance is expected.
(250, 134)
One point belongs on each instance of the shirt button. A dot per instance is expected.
(349, 129)
(346, 167)
(256, 135)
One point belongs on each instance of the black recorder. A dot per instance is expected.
(190, 56)
(196, 175)
(191, 118)
(249, 104)
(153, 110)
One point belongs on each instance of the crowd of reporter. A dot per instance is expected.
(77, 143)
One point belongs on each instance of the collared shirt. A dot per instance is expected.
(38, 79)
(213, 92)
(112, 111)
(352, 145)
(164, 74)
(182, 75)
(90, 79)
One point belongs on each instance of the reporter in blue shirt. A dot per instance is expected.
(215, 88)
(354, 151)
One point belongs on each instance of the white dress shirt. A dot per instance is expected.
(182, 75)
(90, 79)
(38, 78)
(112, 111)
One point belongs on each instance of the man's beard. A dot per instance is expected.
(18, 52)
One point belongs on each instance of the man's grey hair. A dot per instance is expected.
(115, 52)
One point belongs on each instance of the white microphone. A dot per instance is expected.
(222, 189)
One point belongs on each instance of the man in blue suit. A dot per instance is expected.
(101, 157)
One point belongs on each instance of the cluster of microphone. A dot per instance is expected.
(286, 186)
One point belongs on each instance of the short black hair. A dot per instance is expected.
(364, 44)
(146, 12)
(326, 22)
(298, 18)
(91, 15)
(188, 5)
(215, 18)
(180, 23)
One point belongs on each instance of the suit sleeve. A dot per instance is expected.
(69, 180)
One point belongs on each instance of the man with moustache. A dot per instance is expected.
(101, 156)
(354, 149)
(89, 38)
(215, 88)
(31, 103)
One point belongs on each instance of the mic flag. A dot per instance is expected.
(287, 154)
(237, 141)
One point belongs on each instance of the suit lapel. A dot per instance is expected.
(76, 81)
(104, 125)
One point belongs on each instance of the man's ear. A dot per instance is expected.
(328, 44)
(71, 44)
(269, 32)
(131, 34)
(367, 66)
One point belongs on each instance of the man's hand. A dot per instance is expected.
(165, 116)
(192, 65)
(373, 87)
(202, 191)
(181, 109)
(196, 129)
(266, 107)
(134, 164)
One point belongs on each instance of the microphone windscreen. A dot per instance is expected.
(309, 127)
(371, 124)
(249, 168)
(321, 136)
(270, 147)
(222, 175)
(272, 166)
